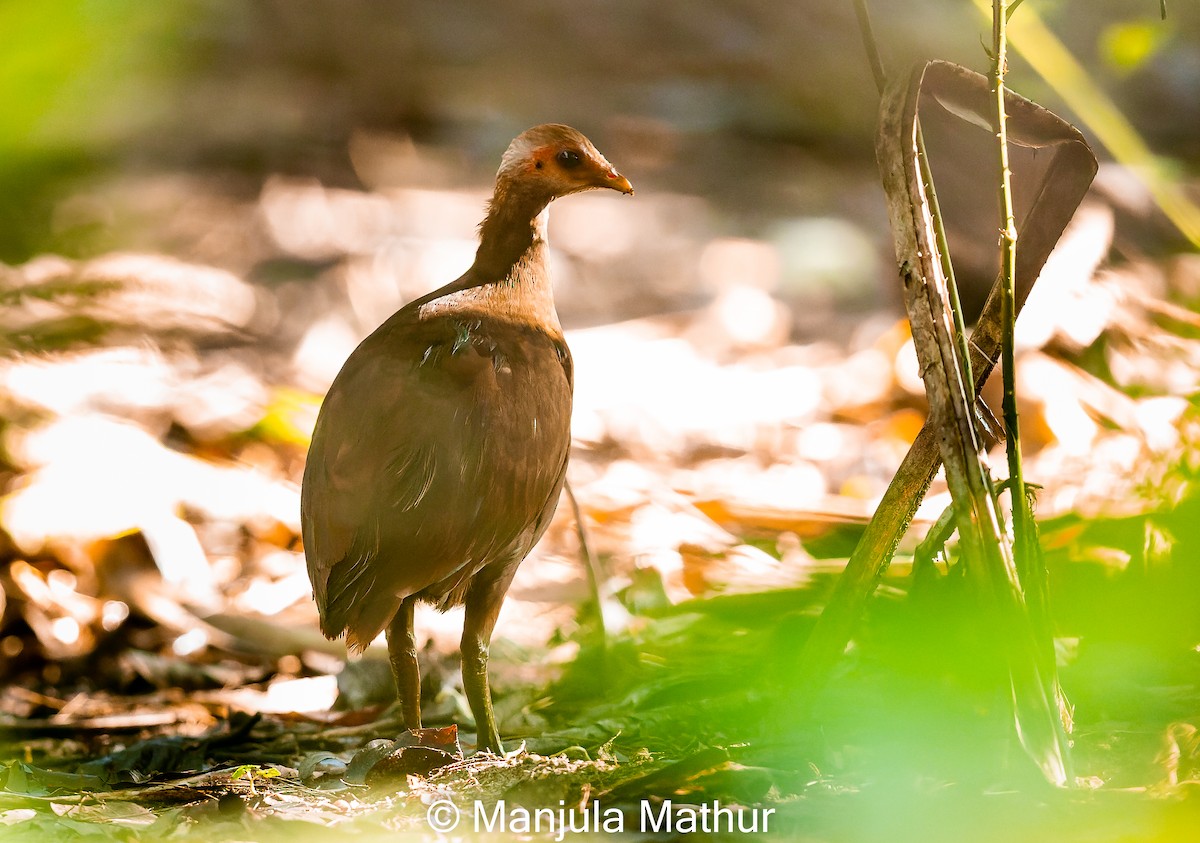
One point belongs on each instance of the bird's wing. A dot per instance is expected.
(406, 481)
(374, 453)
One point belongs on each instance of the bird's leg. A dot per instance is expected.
(483, 601)
(402, 652)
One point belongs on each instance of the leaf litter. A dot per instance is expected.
(164, 676)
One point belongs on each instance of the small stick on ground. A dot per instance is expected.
(594, 574)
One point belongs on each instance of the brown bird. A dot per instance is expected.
(440, 451)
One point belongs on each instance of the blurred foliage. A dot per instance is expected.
(1128, 46)
(80, 80)
(98, 88)
(58, 333)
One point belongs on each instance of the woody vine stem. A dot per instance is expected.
(1008, 251)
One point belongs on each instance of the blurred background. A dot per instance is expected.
(204, 206)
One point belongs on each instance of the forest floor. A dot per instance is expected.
(163, 673)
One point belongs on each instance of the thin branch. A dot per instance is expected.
(943, 245)
(1008, 269)
(871, 45)
(1026, 551)
(595, 577)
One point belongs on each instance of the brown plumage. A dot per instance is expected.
(440, 451)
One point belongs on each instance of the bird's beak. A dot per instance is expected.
(610, 178)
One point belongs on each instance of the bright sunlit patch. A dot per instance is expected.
(933, 506)
(793, 485)
(266, 597)
(865, 377)
(61, 582)
(622, 484)
(113, 614)
(166, 293)
(180, 558)
(320, 355)
(665, 394)
(908, 369)
(97, 477)
(1064, 302)
(660, 528)
(192, 641)
(92, 482)
(1176, 374)
(133, 378)
(749, 316)
(31, 583)
(227, 400)
(1057, 389)
(373, 295)
(431, 214)
(1072, 426)
(311, 693)
(66, 630)
(820, 441)
(315, 222)
(439, 261)
(1158, 419)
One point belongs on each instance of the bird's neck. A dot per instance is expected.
(509, 279)
(515, 224)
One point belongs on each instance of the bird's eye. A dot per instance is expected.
(569, 159)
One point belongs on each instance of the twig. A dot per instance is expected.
(595, 579)
(1008, 270)
(871, 45)
(1027, 553)
(943, 245)
(105, 724)
(934, 542)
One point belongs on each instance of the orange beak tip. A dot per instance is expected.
(616, 181)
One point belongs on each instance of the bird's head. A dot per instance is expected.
(555, 160)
